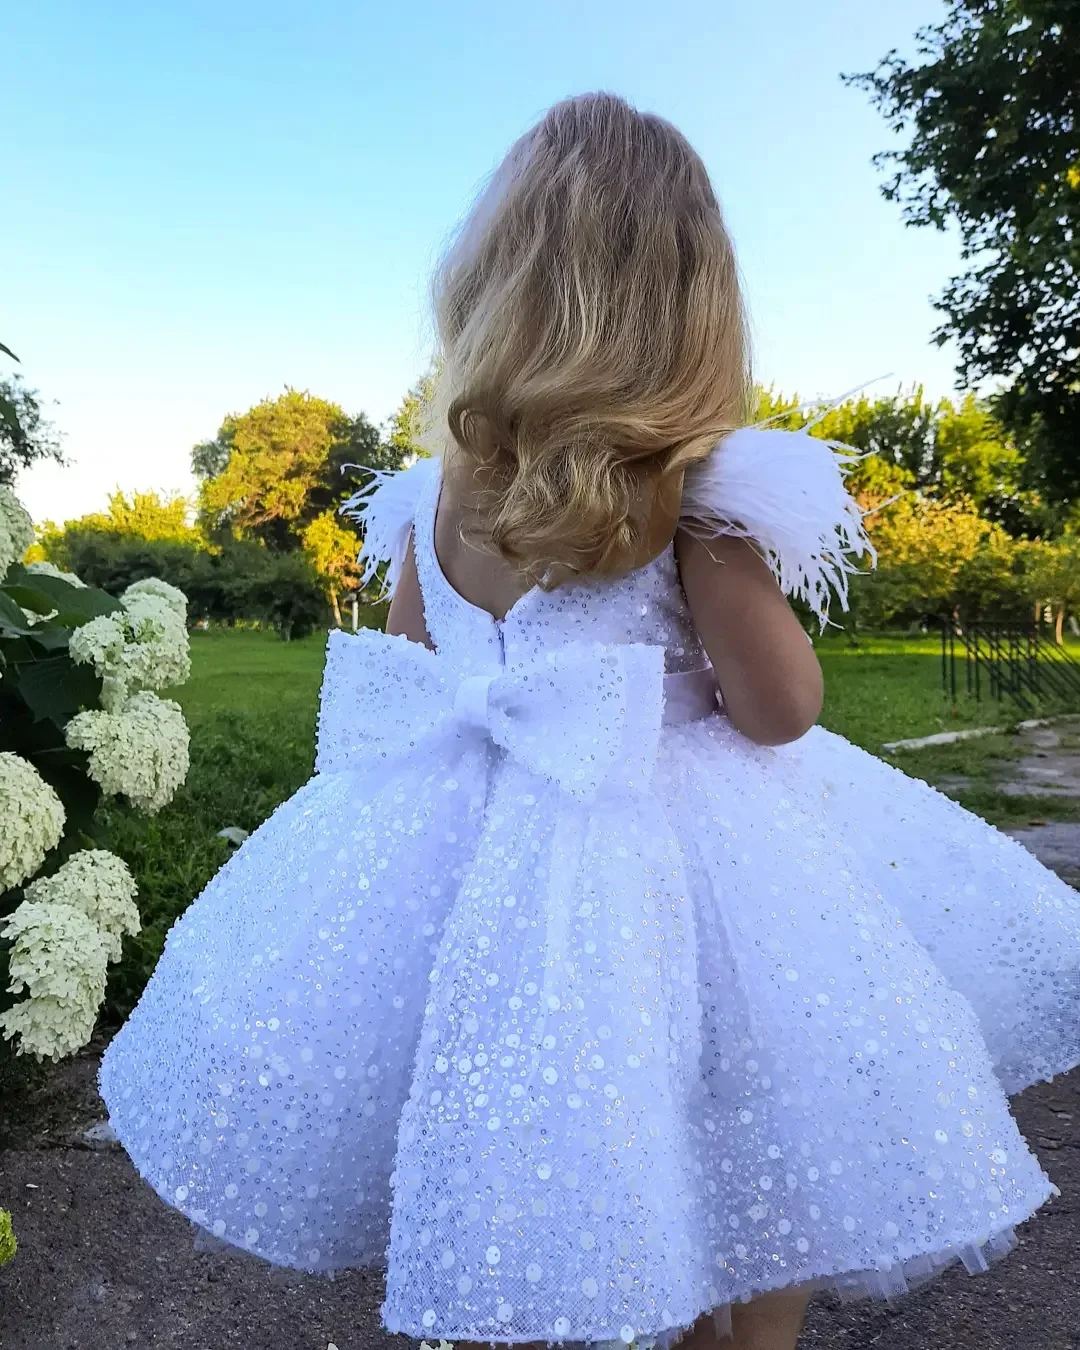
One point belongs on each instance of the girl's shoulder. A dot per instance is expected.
(785, 491)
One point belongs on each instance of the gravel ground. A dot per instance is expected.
(104, 1265)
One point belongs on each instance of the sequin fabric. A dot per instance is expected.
(579, 1067)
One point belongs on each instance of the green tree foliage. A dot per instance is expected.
(209, 458)
(952, 450)
(282, 464)
(279, 467)
(333, 550)
(991, 110)
(241, 581)
(26, 436)
(940, 482)
(1050, 576)
(409, 424)
(278, 473)
(142, 516)
(936, 558)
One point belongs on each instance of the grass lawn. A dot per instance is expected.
(253, 673)
(888, 689)
(251, 703)
(880, 689)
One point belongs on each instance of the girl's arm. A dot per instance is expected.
(768, 672)
(407, 607)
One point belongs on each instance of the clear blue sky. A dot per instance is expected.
(206, 201)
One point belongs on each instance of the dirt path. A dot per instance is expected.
(104, 1265)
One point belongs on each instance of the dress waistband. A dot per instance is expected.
(690, 695)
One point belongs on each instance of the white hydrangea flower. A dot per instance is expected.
(139, 750)
(143, 646)
(59, 958)
(154, 586)
(163, 658)
(99, 884)
(48, 569)
(32, 817)
(51, 1028)
(16, 530)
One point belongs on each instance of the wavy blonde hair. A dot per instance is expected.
(593, 339)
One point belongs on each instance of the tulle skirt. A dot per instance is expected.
(584, 1071)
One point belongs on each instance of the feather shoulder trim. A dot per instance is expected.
(384, 509)
(784, 491)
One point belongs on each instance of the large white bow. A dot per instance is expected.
(584, 715)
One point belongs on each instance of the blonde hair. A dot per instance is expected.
(593, 339)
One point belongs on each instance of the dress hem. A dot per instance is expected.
(894, 1278)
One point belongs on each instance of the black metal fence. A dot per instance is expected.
(1007, 661)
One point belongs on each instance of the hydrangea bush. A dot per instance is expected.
(80, 719)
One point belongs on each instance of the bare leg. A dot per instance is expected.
(771, 1322)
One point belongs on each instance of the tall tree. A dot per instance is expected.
(278, 474)
(409, 424)
(991, 110)
(334, 553)
(279, 459)
(949, 450)
(26, 435)
(274, 469)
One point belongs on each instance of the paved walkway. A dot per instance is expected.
(1047, 765)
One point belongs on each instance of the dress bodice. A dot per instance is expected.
(644, 606)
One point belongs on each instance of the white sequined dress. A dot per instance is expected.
(582, 1013)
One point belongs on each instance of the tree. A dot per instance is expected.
(935, 557)
(209, 458)
(896, 428)
(992, 112)
(26, 436)
(409, 424)
(951, 451)
(1051, 576)
(284, 463)
(279, 456)
(333, 551)
(142, 516)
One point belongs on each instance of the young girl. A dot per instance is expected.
(595, 1010)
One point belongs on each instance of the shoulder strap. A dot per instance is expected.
(784, 491)
(384, 510)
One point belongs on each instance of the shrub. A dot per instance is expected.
(239, 582)
(79, 671)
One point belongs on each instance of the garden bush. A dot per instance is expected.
(80, 721)
(240, 581)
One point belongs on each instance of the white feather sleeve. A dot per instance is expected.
(784, 491)
(384, 509)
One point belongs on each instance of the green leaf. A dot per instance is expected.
(12, 619)
(30, 597)
(74, 602)
(55, 687)
(51, 636)
(8, 352)
(65, 772)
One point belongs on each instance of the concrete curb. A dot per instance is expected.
(951, 737)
